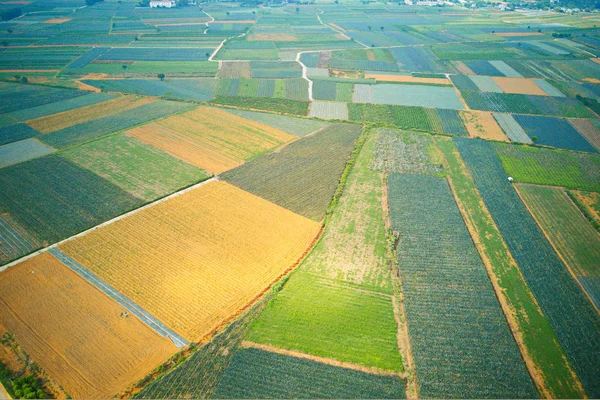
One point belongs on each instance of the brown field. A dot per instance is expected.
(211, 139)
(481, 124)
(588, 129)
(85, 86)
(76, 334)
(55, 122)
(519, 86)
(596, 60)
(197, 259)
(275, 37)
(408, 78)
(463, 69)
(56, 20)
(591, 80)
(511, 34)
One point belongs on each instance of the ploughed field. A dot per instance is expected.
(298, 201)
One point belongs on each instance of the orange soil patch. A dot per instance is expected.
(85, 86)
(78, 335)
(196, 259)
(588, 129)
(519, 86)
(276, 37)
(481, 124)
(592, 80)
(183, 24)
(65, 119)
(371, 55)
(56, 20)
(334, 26)
(408, 78)
(463, 69)
(211, 139)
(511, 34)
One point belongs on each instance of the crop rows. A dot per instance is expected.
(463, 82)
(264, 103)
(451, 122)
(18, 97)
(329, 110)
(14, 133)
(201, 89)
(405, 152)
(512, 129)
(416, 95)
(452, 313)
(405, 117)
(294, 126)
(88, 57)
(156, 54)
(23, 150)
(572, 316)
(555, 132)
(485, 84)
(418, 59)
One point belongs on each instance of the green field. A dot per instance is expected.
(142, 170)
(176, 68)
(540, 342)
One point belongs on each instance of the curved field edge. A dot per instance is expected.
(543, 355)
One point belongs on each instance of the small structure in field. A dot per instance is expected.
(162, 3)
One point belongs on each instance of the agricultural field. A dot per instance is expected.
(302, 176)
(23, 150)
(589, 129)
(293, 126)
(441, 286)
(210, 223)
(589, 204)
(481, 124)
(404, 117)
(573, 237)
(554, 132)
(211, 139)
(512, 128)
(81, 338)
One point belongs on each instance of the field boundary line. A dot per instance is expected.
(110, 221)
(323, 360)
(120, 298)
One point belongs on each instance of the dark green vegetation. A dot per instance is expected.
(575, 321)
(550, 167)
(142, 170)
(286, 106)
(554, 132)
(452, 312)
(255, 373)
(302, 176)
(52, 199)
(405, 117)
(539, 339)
(14, 133)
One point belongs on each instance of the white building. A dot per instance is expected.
(162, 3)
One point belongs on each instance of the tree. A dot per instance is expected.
(534, 139)
(369, 27)
(5, 43)
(17, 77)
(297, 9)
(161, 76)
(381, 28)
(124, 66)
(207, 54)
(228, 13)
(23, 79)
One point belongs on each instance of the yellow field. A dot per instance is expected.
(519, 86)
(275, 37)
(481, 124)
(211, 139)
(407, 78)
(74, 332)
(56, 20)
(65, 119)
(197, 259)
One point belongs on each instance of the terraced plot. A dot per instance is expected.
(304, 175)
(80, 337)
(204, 255)
(573, 237)
(452, 313)
(278, 376)
(211, 139)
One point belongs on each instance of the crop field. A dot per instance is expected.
(548, 88)
(66, 119)
(304, 175)
(538, 343)
(329, 110)
(26, 96)
(416, 95)
(362, 93)
(463, 82)
(210, 138)
(294, 126)
(216, 245)
(519, 86)
(441, 286)
(80, 336)
(291, 377)
(485, 84)
(481, 124)
(406, 152)
(505, 69)
(23, 150)
(142, 170)
(574, 238)
(88, 57)
(512, 129)
(588, 130)
(550, 167)
(589, 204)
(52, 199)
(95, 128)
(201, 89)
(573, 317)
(281, 105)
(451, 122)
(155, 54)
(405, 117)
(554, 132)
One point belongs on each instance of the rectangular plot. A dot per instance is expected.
(506, 69)
(14, 133)
(205, 254)
(463, 82)
(362, 94)
(406, 153)
(416, 95)
(294, 126)
(483, 68)
(592, 287)
(548, 88)
(296, 89)
(512, 129)
(452, 312)
(280, 376)
(14, 240)
(156, 54)
(555, 132)
(485, 84)
(329, 110)
(16, 100)
(574, 319)
(88, 57)
(519, 86)
(451, 122)
(500, 102)
(481, 124)
(23, 150)
(587, 129)
(233, 87)
(549, 48)
(266, 88)
(80, 337)
(60, 106)
(324, 90)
